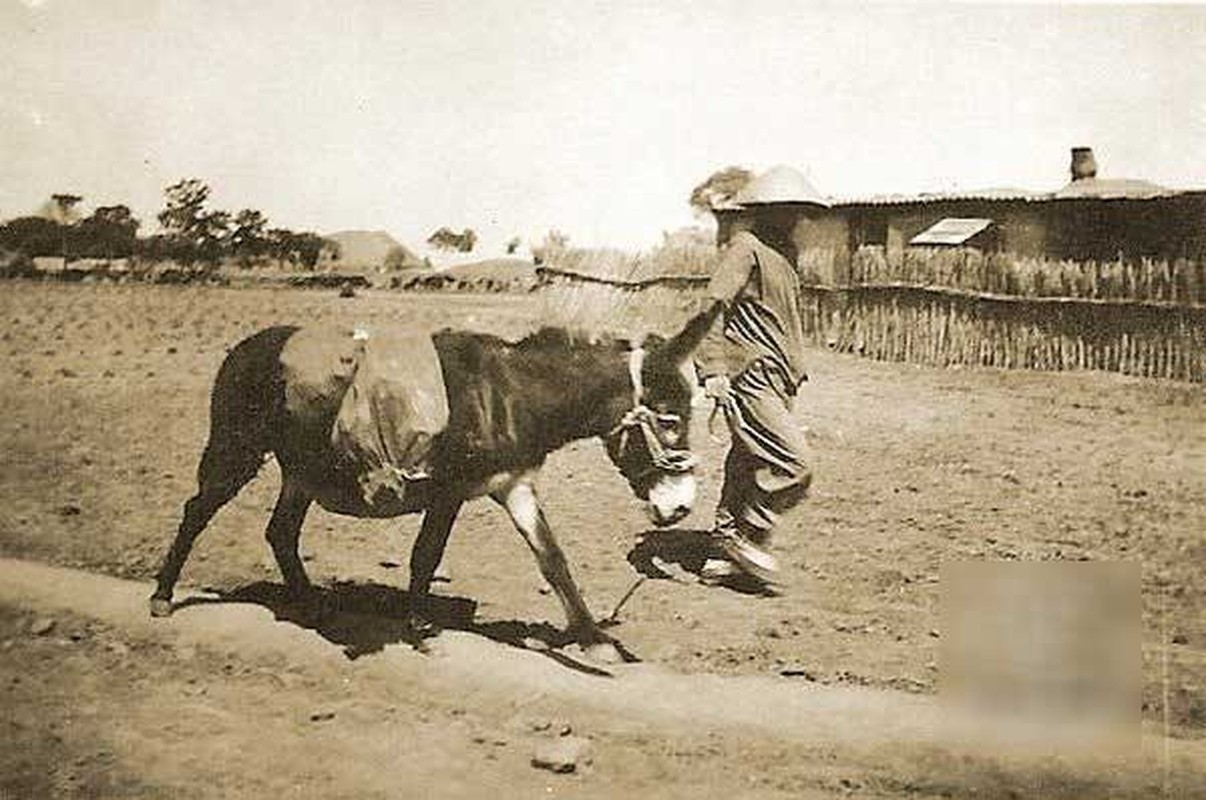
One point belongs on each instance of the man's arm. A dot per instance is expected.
(726, 285)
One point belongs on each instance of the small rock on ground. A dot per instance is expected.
(563, 754)
(41, 627)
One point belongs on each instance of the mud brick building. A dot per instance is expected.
(1090, 218)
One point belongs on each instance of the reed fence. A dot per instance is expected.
(1177, 281)
(932, 307)
(947, 327)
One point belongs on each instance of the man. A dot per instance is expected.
(751, 364)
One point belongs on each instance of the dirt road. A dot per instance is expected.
(105, 390)
(221, 700)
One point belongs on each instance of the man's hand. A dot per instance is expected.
(717, 387)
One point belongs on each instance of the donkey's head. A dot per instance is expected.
(648, 435)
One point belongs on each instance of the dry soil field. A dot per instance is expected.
(104, 395)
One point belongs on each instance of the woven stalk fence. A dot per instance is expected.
(1144, 318)
(1168, 281)
(946, 327)
(609, 290)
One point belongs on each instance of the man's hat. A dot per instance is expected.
(781, 184)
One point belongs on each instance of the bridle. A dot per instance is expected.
(663, 457)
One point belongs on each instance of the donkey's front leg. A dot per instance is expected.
(425, 558)
(519, 498)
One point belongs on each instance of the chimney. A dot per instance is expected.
(1083, 164)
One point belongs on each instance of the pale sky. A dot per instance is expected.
(593, 118)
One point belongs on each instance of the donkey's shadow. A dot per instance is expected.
(362, 618)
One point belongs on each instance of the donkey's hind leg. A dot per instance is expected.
(284, 530)
(225, 469)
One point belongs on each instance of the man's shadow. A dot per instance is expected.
(680, 554)
(362, 618)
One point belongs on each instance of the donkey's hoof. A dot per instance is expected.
(161, 607)
(603, 653)
(422, 627)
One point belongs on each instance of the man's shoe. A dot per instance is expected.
(716, 571)
(747, 556)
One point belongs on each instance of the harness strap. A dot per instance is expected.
(636, 361)
(663, 459)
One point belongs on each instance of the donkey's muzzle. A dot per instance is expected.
(671, 498)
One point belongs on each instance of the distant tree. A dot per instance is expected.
(308, 247)
(213, 236)
(110, 232)
(513, 245)
(554, 244)
(247, 240)
(185, 201)
(33, 236)
(443, 239)
(118, 216)
(296, 249)
(158, 247)
(193, 233)
(447, 239)
(198, 235)
(279, 241)
(720, 186)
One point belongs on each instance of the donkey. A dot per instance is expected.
(510, 405)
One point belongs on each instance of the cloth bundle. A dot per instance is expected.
(391, 413)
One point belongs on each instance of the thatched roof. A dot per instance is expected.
(781, 184)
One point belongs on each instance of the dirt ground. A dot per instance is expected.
(105, 395)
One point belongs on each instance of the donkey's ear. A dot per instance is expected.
(680, 347)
